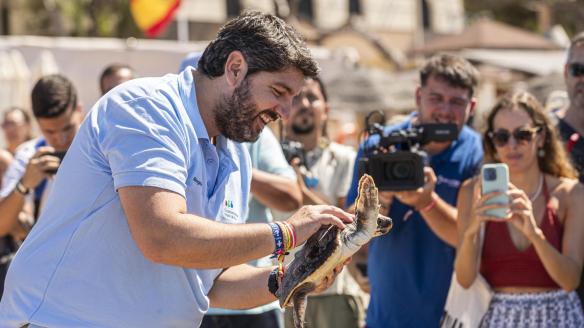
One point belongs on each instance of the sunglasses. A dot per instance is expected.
(521, 135)
(576, 69)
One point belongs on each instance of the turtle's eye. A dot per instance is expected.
(384, 222)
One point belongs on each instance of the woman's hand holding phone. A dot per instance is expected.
(521, 213)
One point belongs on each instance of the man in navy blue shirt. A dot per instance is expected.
(410, 268)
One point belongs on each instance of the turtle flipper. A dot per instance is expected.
(299, 300)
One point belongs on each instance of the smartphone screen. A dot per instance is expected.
(495, 177)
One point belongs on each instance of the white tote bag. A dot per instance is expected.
(466, 307)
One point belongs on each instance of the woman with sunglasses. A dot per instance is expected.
(532, 258)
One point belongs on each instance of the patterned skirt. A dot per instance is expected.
(545, 309)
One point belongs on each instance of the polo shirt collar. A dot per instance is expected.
(188, 96)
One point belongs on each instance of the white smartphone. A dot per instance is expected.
(495, 177)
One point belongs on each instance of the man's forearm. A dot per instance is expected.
(241, 287)
(195, 242)
(10, 207)
(275, 191)
(441, 218)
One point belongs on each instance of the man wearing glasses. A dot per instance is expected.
(571, 118)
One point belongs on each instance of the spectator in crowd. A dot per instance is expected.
(157, 240)
(324, 174)
(273, 186)
(114, 75)
(570, 119)
(7, 243)
(533, 257)
(17, 128)
(410, 269)
(28, 180)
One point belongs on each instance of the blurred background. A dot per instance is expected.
(369, 50)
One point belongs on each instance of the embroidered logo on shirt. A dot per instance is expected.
(229, 204)
(197, 181)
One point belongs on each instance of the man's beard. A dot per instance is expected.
(303, 123)
(235, 116)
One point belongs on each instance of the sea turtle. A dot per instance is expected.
(330, 247)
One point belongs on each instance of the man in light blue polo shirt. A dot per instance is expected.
(134, 233)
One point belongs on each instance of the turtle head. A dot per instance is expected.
(384, 224)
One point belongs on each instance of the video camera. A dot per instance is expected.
(397, 162)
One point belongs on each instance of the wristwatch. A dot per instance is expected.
(20, 188)
(273, 282)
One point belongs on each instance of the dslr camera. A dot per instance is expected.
(397, 162)
(293, 149)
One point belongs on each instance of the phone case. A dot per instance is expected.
(498, 182)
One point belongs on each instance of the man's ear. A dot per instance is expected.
(473, 106)
(78, 112)
(327, 108)
(235, 68)
(418, 97)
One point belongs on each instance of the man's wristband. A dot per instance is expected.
(428, 207)
(273, 282)
(21, 189)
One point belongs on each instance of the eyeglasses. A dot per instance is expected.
(521, 135)
(576, 69)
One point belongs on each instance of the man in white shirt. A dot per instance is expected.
(324, 178)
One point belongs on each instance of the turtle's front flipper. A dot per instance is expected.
(299, 300)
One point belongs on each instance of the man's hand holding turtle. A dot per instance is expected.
(308, 219)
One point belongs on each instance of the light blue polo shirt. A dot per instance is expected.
(80, 266)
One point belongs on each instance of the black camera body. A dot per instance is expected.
(293, 149)
(397, 162)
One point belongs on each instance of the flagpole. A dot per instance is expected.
(182, 23)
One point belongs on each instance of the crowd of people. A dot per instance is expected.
(165, 204)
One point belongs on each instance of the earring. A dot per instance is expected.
(540, 152)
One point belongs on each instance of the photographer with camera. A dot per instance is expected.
(410, 269)
(324, 171)
(55, 107)
(28, 181)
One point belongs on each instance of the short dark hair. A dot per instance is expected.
(576, 41)
(454, 70)
(266, 42)
(113, 69)
(52, 95)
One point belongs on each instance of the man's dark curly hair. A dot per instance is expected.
(266, 42)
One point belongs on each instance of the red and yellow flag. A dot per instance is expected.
(152, 16)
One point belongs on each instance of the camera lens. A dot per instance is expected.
(400, 171)
(490, 174)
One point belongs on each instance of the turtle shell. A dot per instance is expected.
(319, 256)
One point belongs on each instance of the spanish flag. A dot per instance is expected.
(152, 16)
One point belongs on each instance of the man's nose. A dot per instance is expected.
(60, 140)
